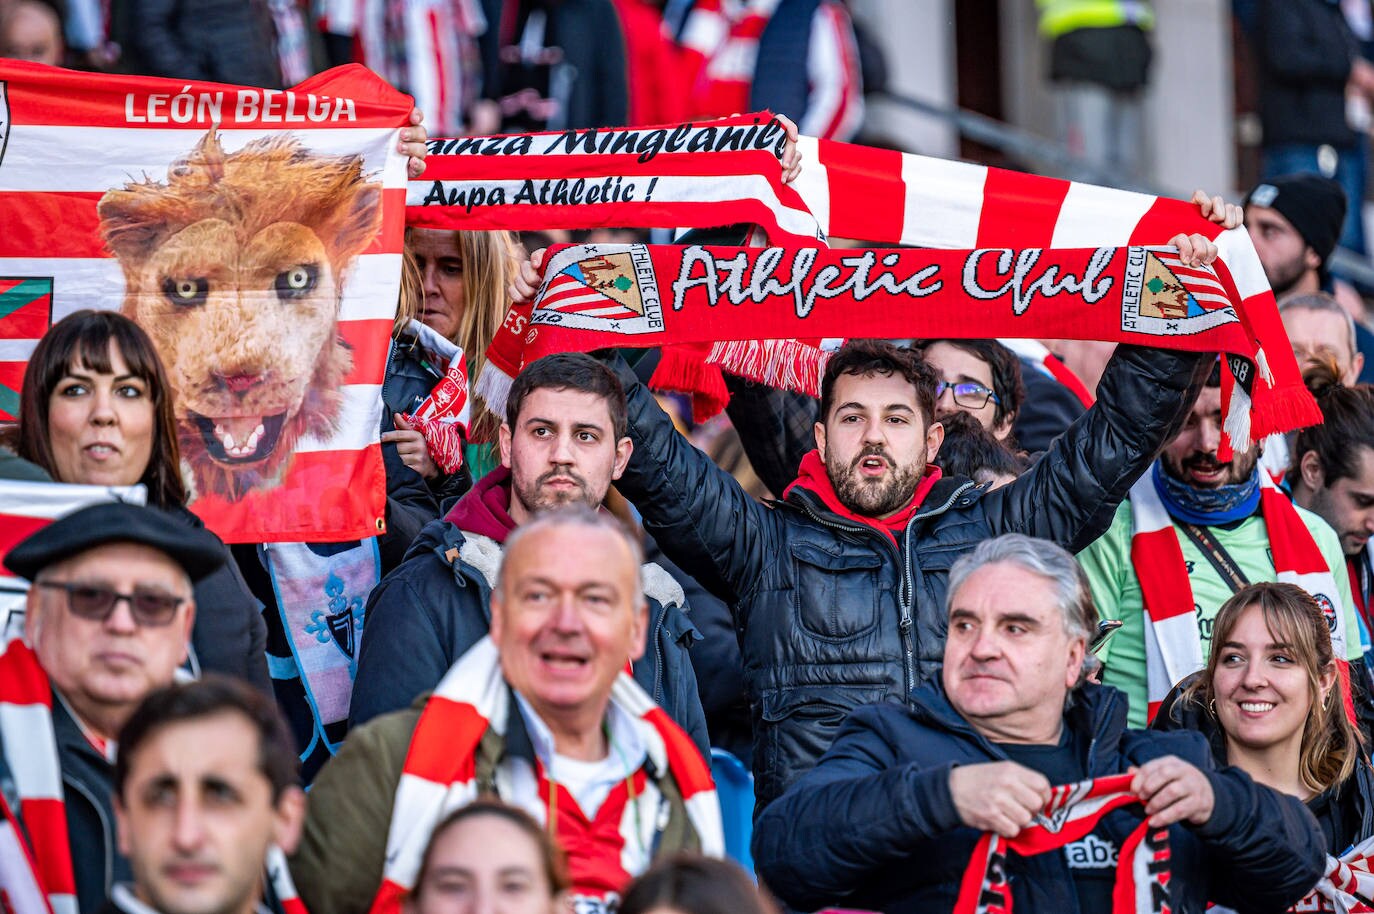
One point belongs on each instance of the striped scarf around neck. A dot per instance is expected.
(440, 772)
(1173, 648)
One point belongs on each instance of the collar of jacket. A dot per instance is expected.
(485, 509)
(947, 493)
(1096, 712)
(813, 478)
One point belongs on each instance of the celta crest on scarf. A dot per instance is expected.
(1072, 812)
(1173, 648)
(638, 296)
(440, 772)
(846, 191)
(44, 861)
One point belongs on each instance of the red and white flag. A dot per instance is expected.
(256, 234)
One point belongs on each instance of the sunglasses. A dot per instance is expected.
(91, 601)
(967, 393)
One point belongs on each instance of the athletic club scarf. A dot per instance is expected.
(96, 171)
(26, 732)
(1073, 811)
(599, 296)
(1173, 648)
(1347, 886)
(725, 172)
(694, 175)
(440, 769)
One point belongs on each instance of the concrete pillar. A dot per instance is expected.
(917, 37)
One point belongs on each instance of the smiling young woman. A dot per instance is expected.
(1270, 701)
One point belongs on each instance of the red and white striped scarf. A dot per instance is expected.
(725, 172)
(1073, 812)
(720, 41)
(1173, 648)
(1346, 887)
(30, 746)
(441, 770)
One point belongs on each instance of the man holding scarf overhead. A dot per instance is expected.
(838, 590)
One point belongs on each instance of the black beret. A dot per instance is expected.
(1313, 204)
(196, 550)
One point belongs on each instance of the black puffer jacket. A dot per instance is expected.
(832, 615)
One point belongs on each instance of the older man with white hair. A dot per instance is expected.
(1008, 779)
(542, 713)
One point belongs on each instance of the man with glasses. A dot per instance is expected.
(107, 621)
(978, 377)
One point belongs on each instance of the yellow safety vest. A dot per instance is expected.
(1058, 17)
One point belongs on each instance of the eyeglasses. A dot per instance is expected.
(967, 394)
(91, 601)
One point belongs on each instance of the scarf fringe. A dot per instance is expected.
(493, 387)
(786, 364)
(1284, 409)
(684, 370)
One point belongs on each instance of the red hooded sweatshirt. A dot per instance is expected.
(485, 509)
(813, 478)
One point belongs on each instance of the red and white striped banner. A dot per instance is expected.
(723, 172)
(256, 235)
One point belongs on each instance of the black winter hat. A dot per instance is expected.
(1314, 204)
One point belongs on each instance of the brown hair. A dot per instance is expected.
(1003, 366)
(411, 297)
(489, 265)
(554, 861)
(866, 358)
(1330, 744)
(215, 694)
(85, 337)
(1347, 424)
(693, 884)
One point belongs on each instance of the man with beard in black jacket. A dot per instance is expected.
(838, 589)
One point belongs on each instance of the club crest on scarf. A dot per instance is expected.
(343, 621)
(1156, 300)
(586, 288)
(25, 315)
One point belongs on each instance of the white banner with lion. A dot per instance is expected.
(256, 235)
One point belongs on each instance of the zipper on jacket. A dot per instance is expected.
(904, 587)
(905, 623)
(658, 654)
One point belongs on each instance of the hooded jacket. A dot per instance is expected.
(428, 612)
(874, 826)
(834, 613)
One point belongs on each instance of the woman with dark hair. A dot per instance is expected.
(1269, 701)
(692, 884)
(96, 409)
(489, 857)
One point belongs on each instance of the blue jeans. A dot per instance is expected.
(1295, 158)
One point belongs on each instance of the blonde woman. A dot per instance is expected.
(463, 277)
(1270, 702)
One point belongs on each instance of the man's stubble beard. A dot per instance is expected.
(873, 499)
